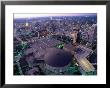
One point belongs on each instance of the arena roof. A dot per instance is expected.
(57, 57)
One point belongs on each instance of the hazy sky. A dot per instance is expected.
(45, 15)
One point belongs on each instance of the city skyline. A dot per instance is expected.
(55, 44)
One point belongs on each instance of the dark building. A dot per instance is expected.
(57, 60)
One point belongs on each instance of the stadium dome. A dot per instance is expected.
(57, 57)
